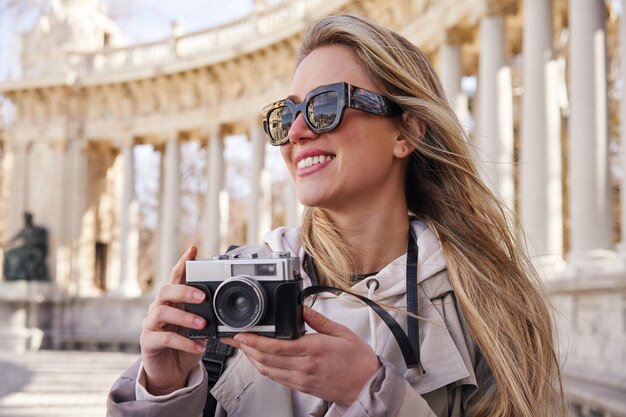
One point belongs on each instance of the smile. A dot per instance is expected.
(314, 160)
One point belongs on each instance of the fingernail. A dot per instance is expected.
(200, 348)
(198, 295)
(198, 322)
(239, 338)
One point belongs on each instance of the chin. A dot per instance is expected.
(308, 200)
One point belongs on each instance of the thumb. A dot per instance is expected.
(322, 324)
(179, 275)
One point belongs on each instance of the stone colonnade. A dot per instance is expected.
(538, 198)
(545, 97)
(215, 228)
(85, 192)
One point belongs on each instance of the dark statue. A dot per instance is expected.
(25, 256)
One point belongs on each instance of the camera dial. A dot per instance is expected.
(240, 302)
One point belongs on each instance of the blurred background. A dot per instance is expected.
(130, 130)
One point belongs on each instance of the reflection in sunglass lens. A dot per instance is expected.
(280, 121)
(322, 110)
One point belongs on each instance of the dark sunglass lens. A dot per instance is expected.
(322, 110)
(279, 121)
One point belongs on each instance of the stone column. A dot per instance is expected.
(622, 134)
(45, 199)
(537, 144)
(60, 244)
(258, 214)
(213, 216)
(293, 207)
(78, 197)
(170, 229)
(451, 69)
(555, 90)
(128, 223)
(494, 131)
(158, 233)
(16, 189)
(589, 191)
(19, 188)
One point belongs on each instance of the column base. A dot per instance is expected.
(549, 267)
(596, 261)
(20, 339)
(127, 290)
(22, 304)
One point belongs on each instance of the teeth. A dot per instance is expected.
(312, 160)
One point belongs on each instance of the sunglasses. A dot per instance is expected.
(323, 110)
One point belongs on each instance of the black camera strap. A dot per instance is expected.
(409, 345)
(214, 361)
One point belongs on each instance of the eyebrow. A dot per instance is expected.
(292, 98)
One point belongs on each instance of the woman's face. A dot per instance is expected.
(358, 165)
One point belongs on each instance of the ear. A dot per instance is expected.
(403, 147)
(414, 124)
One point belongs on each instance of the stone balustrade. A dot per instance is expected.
(259, 25)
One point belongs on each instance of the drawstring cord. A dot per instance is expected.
(370, 294)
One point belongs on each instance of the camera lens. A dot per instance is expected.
(240, 302)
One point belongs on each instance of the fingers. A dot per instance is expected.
(287, 377)
(270, 345)
(323, 324)
(163, 315)
(160, 340)
(178, 273)
(177, 293)
(268, 361)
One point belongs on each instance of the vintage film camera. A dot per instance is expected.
(248, 294)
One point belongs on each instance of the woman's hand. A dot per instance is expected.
(333, 364)
(167, 354)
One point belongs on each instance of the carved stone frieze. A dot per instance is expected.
(501, 7)
(188, 95)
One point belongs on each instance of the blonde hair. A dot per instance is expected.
(498, 290)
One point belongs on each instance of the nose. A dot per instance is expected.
(299, 131)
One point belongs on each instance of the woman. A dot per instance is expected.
(383, 170)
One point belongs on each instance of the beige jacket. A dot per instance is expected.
(448, 355)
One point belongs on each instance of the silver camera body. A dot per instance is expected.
(255, 294)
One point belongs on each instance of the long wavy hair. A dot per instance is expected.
(497, 288)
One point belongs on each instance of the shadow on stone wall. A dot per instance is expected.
(14, 378)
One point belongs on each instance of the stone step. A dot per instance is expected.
(58, 383)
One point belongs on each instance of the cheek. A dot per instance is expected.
(285, 151)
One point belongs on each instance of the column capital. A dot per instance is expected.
(212, 131)
(173, 136)
(501, 7)
(255, 129)
(19, 146)
(62, 144)
(459, 35)
(255, 121)
(159, 147)
(127, 139)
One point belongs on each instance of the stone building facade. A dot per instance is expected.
(542, 120)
